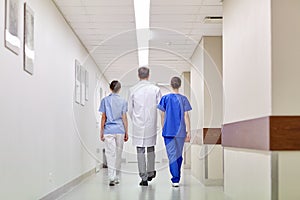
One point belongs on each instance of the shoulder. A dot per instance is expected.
(134, 88)
(166, 97)
(154, 87)
(104, 98)
(185, 99)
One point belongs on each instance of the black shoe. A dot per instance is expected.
(152, 177)
(144, 183)
(111, 183)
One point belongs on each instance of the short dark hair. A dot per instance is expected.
(115, 86)
(175, 82)
(143, 72)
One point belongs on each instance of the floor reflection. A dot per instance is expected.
(160, 188)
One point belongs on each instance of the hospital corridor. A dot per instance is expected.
(149, 100)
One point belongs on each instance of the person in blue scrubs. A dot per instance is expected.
(114, 130)
(176, 130)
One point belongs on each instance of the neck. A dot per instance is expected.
(176, 91)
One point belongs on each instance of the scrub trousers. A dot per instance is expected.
(174, 148)
(113, 151)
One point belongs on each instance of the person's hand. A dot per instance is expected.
(102, 136)
(126, 137)
(188, 136)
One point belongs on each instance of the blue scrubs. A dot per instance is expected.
(174, 130)
(114, 107)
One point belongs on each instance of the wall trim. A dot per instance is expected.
(68, 186)
(206, 136)
(275, 133)
(212, 135)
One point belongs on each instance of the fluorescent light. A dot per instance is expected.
(142, 12)
(142, 21)
(143, 57)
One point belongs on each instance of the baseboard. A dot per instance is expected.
(68, 186)
(213, 182)
(187, 166)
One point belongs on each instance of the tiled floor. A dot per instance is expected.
(96, 187)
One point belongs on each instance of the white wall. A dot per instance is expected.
(247, 174)
(285, 57)
(197, 88)
(197, 167)
(288, 175)
(247, 59)
(206, 84)
(39, 147)
(213, 89)
(206, 100)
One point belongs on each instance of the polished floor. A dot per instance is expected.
(96, 187)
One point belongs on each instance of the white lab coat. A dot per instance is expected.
(142, 108)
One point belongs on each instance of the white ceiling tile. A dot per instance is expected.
(107, 29)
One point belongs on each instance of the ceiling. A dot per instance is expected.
(107, 29)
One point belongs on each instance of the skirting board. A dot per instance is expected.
(213, 182)
(68, 186)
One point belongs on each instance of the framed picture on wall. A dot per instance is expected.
(77, 82)
(11, 31)
(86, 85)
(82, 86)
(28, 40)
(100, 93)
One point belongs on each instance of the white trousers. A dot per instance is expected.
(113, 151)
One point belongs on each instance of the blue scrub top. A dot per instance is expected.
(174, 106)
(114, 107)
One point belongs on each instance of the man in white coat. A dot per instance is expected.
(142, 107)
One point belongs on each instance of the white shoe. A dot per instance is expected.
(117, 181)
(175, 184)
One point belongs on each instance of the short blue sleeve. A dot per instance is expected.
(102, 106)
(162, 104)
(125, 107)
(186, 105)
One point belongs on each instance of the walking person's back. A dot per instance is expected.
(114, 130)
(143, 99)
(176, 127)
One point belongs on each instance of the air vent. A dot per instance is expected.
(213, 20)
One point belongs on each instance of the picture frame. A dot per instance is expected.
(28, 40)
(77, 89)
(86, 85)
(82, 86)
(11, 27)
(100, 93)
